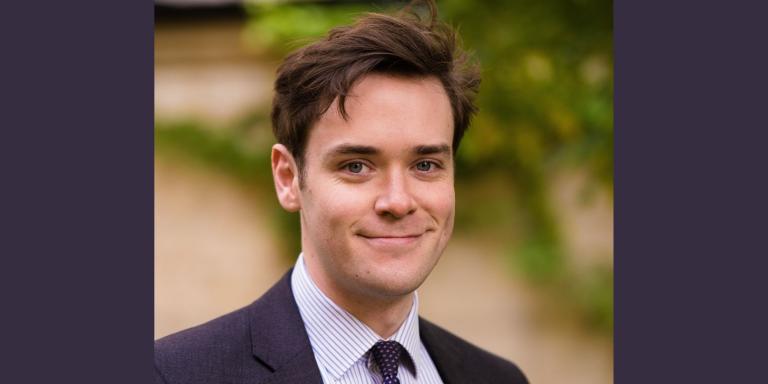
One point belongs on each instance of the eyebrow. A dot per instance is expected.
(352, 149)
(433, 149)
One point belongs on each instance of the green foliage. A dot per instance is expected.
(547, 83)
(594, 297)
(281, 28)
(540, 260)
(219, 147)
(546, 101)
(227, 150)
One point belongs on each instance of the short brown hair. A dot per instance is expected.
(311, 78)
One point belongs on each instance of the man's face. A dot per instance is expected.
(377, 202)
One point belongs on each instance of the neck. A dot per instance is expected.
(383, 314)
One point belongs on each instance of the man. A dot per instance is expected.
(367, 121)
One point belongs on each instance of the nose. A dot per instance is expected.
(395, 199)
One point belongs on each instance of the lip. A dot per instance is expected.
(391, 241)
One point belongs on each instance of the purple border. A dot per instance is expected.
(690, 199)
(77, 204)
(77, 192)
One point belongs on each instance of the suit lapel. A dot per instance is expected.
(447, 357)
(280, 342)
(279, 339)
(300, 369)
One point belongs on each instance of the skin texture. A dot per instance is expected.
(377, 199)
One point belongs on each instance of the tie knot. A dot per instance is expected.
(386, 354)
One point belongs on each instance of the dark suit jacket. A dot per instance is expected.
(266, 342)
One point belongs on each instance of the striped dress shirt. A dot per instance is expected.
(341, 342)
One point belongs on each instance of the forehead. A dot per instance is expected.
(387, 112)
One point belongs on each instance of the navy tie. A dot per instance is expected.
(386, 354)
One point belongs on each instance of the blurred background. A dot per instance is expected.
(528, 274)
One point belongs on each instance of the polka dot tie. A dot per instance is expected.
(386, 354)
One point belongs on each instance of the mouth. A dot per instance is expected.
(387, 241)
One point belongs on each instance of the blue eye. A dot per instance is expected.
(355, 167)
(424, 166)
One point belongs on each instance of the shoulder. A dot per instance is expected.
(205, 351)
(480, 365)
(235, 347)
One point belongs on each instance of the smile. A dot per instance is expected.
(391, 241)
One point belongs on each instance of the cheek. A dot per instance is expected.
(439, 201)
(336, 206)
(448, 228)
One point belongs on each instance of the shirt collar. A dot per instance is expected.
(338, 338)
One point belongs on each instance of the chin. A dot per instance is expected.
(392, 289)
(398, 281)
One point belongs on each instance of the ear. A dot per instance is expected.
(286, 176)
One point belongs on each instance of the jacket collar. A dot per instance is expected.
(278, 337)
(448, 357)
(280, 341)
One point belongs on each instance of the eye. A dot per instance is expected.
(355, 167)
(424, 166)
